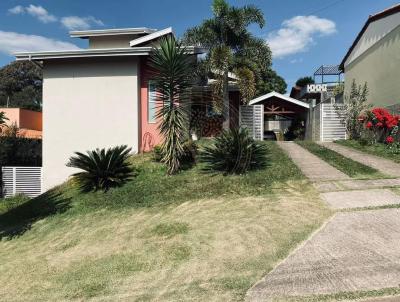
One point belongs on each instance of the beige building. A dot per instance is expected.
(97, 97)
(374, 58)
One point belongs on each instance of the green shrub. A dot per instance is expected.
(189, 154)
(234, 151)
(157, 153)
(103, 169)
(19, 151)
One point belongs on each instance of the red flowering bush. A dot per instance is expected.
(390, 139)
(384, 124)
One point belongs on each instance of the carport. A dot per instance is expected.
(273, 112)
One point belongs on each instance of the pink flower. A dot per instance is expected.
(379, 124)
(389, 139)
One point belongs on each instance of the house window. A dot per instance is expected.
(151, 102)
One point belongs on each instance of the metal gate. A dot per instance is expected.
(326, 125)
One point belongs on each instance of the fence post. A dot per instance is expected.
(14, 180)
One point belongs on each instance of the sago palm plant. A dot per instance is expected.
(234, 152)
(102, 169)
(172, 76)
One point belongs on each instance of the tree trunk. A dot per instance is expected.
(226, 105)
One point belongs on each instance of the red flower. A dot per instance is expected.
(379, 124)
(369, 125)
(389, 139)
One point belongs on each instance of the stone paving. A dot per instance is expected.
(385, 166)
(360, 198)
(312, 166)
(356, 184)
(355, 250)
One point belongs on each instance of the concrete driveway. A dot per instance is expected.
(354, 251)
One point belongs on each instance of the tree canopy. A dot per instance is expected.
(21, 85)
(229, 28)
(301, 82)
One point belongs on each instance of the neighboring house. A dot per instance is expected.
(374, 58)
(98, 97)
(29, 122)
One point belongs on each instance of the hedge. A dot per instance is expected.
(18, 151)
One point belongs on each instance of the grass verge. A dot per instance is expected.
(377, 149)
(346, 165)
(188, 237)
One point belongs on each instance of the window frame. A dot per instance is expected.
(151, 100)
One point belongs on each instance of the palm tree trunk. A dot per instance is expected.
(226, 107)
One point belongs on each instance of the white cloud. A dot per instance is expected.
(298, 33)
(11, 42)
(294, 61)
(69, 22)
(40, 13)
(75, 22)
(17, 10)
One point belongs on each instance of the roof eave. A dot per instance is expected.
(84, 34)
(281, 96)
(388, 12)
(46, 55)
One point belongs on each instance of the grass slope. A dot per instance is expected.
(346, 165)
(376, 149)
(188, 237)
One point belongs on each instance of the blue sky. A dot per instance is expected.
(303, 34)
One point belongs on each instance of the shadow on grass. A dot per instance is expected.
(17, 221)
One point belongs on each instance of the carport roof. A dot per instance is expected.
(275, 94)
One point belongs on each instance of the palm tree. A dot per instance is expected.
(225, 34)
(172, 76)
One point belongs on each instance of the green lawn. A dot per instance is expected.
(192, 236)
(346, 165)
(376, 149)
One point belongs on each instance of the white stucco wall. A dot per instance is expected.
(379, 67)
(376, 31)
(87, 104)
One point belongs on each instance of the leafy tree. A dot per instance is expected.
(304, 81)
(355, 104)
(172, 76)
(21, 85)
(225, 35)
(256, 55)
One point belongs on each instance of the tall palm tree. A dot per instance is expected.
(172, 76)
(225, 34)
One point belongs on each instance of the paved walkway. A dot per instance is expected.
(385, 166)
(356, 184)
(355, 250)
(312, 166)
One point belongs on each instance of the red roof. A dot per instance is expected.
(383, 14)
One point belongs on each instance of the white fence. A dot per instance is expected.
(252, 117)
(21, 180)
(325, 123)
